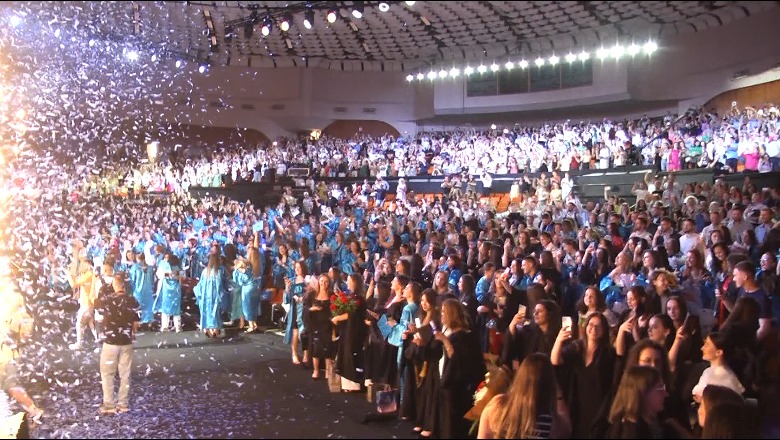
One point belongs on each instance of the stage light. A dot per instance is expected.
(420, 76)
(443, 73)
(493, 126)
(431, 75)
(494, 67)
(454, 72)
(602, 53)
(584, 56)
(468, 70)
(509, 65)
(554, 60)
(332, 17)
(284, 26)
(409, 78)
(202, 68)
(650, 47)
(570, 58)
(384, 7)
(634, 49)
(357, 10)
(179, 63)
(308, 19)
(617, 51)
(266, 30)
(540, 62)
(481, 69)
(523, 64)
(410, 3)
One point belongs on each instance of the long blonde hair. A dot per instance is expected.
(533, 392)
(253, 256)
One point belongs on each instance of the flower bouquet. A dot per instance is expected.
(341, 303)
(496, 382)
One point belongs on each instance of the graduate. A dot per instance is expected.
(142, 283)
(168, 302)
(209, 296)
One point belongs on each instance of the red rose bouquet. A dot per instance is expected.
(341, 303)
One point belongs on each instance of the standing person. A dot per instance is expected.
(168, 302)
(638, 402)
(120, 321)
(142, 281)
(352, 333)
(208, 295)
(81, 279)
(294, 296)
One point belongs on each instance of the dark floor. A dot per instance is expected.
(188, 386)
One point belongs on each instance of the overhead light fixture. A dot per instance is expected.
(454, 72)
(468, 70)
(523, 64)
(357, 9)
(540, 62)
(202, 68)
(650, 47)
(634, 49)
(384, 7)
(617, 51)
(554, 60)
(308, 19)
(602, 53)
(420, 76)
(443, 73)
(481, 69)
(409, 78)
(410, 3)
(284, 26)
(570, 58)
(493, 126)
(509, 65)
(584, 56)
(265, 30)
(331, 16)
(431, 75)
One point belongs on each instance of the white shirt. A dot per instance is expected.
(719, 375)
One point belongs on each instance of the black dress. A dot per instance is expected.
(320, 329)
(459, 379)
(352, 336)
(587, 389)
(428, 390)
(381, 357)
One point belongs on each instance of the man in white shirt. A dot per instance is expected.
(487, 183)
(689, 239)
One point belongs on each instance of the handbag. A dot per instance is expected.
(385, 401)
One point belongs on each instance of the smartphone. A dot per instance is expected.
(433, 328)
(521, 310)
(691, 324)
(417, 322)
(566, 322)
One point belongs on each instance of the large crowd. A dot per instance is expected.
(593, 319)
(742, 140)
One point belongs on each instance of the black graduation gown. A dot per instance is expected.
(352, 336)
(460, 376)
(381, 357)
(588, 390)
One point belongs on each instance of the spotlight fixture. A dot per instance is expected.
(431, 75)
(357, 10)
(308, 19)
(332, 16)
(602, 53)
(570, 58)
(410, 3)
(454, 72)
(202, 68)
(634, 49)
(468, 70)
(539, 62)
(554, 60)
(509, 65)
(584, 56)
(523, 64)
(494, 67)
(443, 73)
(179, 63)
(617, 51)
(384, 7)
(265, 30)
(650, 47)
(284, 26)
(493, 126)
(420, 76)
(481, 69)
(409, 78)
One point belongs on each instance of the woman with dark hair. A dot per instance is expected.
(730, 420)
(317, 317)
(536, 337)
(585, 368)
(718, 350)
(462, 370)
(711, 396)
(295, 293)
(593, 301)
(661, 330)
(352, 332)
(634, 320)
(468, 297)
(638, 402)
